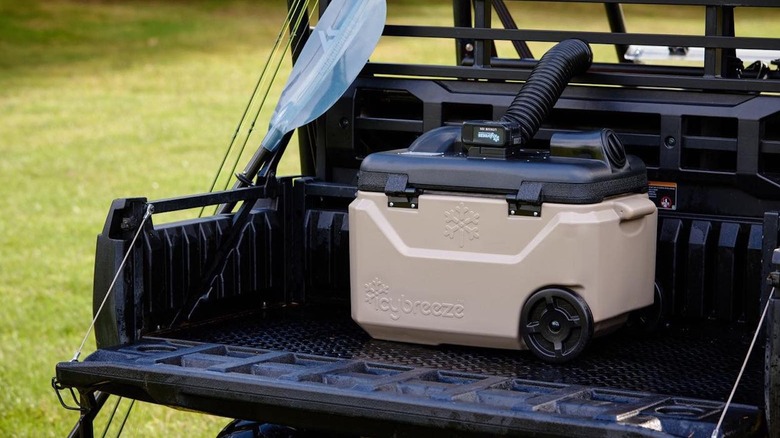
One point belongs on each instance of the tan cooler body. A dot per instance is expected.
(509, 253)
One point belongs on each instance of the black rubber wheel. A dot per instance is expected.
(556, 325)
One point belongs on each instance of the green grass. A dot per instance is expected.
(108, 99)
(101, 100)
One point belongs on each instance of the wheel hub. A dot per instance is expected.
(556, 325)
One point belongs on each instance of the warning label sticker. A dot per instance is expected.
(663, 194)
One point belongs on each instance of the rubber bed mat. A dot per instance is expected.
(698, 361)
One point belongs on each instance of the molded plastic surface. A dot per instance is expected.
(459, 269)
(570, 181)
(376, 399)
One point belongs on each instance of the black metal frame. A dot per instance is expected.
(716, 74)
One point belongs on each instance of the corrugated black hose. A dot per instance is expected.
(544, 86)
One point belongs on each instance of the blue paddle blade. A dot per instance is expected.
(331, 59)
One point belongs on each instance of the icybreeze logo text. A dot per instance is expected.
(492, 136)
(378, 296)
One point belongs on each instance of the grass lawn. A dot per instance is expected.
(101, 100)
(108, 99)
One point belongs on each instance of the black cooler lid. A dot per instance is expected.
(570, 173)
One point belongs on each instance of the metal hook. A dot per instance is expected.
(58, 388)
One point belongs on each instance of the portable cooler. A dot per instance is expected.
(542, 250)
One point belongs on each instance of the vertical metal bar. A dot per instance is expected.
(710, 54)
(483, 49)
(670, 143)
(322, 169)
(719, 21)
(461, 14)
(323, 5)
(522, 49)
(299, 35)
(92, 402)
(306, 149)
(617, 24)
(728, 56)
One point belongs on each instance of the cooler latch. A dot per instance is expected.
(399, 194)
(516, 208)
(527, 201)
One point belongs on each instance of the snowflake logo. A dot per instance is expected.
(374, 289)
(462, 222)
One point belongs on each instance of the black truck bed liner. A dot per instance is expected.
(688, 361)
(316, 360)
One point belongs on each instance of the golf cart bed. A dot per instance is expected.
(708, 354)
(276, 364)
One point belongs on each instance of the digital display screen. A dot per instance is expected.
(489, 135)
